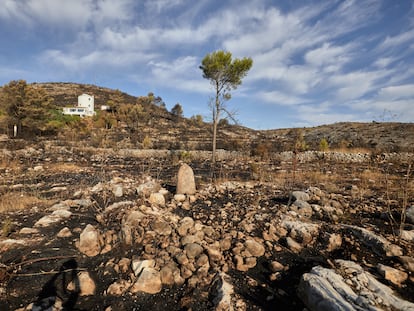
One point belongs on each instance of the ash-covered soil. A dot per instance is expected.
(247, 228)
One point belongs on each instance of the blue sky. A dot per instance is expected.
(314, 62)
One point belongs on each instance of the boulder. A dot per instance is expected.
(89, 242)
(149, 281)
(84, 285)
(377, 243)
(139, 265)
(300, 196)
(185, 180)
(347, 287)
(222, 292)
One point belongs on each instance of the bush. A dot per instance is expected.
(146, 142)
(323, 145)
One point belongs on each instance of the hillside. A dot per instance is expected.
(168, 132)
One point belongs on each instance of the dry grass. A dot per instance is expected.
(15, 201)
(350, 150)
(64, 167)
(10, 164)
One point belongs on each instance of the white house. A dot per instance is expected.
(85, 108)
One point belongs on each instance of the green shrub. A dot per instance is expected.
(323, 145)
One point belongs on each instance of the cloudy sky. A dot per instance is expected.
(314, 62)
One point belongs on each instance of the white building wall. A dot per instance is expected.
(86, 106)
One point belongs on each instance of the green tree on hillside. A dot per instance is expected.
(177, 110)
(225, 74)
(26, 106)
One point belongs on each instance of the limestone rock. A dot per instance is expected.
(180, 197)
(139, 265)
(377, 243)
(64, 233)
(333, 241)
(85, 283)
(161, 227)
(293, 245)
(407, 262)
(186, 224)
(254, 248)
(193, 250)
(276, 266)
(118, 190)
(300, 195)
(149, 281)
(222, 291)
(392, 275)
(89, 242)
(410, 214)
(27, 230)
(157, 198)
(351, 288)
(407, 235)
(185, 180)
(118, 288)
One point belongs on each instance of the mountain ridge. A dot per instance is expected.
(169, 132)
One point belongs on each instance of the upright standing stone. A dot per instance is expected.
(185, 180)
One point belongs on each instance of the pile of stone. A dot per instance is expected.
(181, 246)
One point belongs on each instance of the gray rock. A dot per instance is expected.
(351, 288)
(300, 196)
(377, 243)
(185, 180)
(222, 292)
(410, 214)
(304, 208)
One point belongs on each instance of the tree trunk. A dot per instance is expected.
(216, 114)
(213, 156)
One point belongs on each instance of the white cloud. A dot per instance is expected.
(355, 84)
(279, 98)
(397, 92)
(383, 62)
(161, 5)
(329, 54)
(76, 14)
(402, 38)
(95, 61)
(182, 73)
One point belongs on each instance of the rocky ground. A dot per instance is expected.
(109, 230)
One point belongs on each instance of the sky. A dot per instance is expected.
(314, 62)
